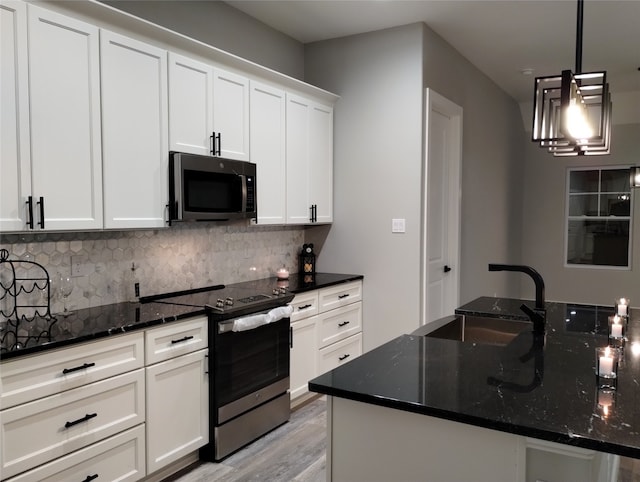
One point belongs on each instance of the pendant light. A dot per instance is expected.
(572, 111)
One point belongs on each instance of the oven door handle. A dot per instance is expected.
(255, 320)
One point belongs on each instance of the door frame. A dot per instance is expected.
(436, 102)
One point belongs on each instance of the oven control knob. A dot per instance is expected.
(228, 301)
(283, 291)
(276, 291)
(220, 303)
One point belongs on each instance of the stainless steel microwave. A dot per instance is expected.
(204, 188)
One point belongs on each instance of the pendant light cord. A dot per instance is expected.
(579, 37)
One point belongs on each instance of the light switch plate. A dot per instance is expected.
(398, 225)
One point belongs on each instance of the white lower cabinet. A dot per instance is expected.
(39, 431)
(177, 408)
(304, 365)
(121, 458)
(326, 332)
(177, 391)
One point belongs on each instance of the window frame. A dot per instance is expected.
(568, 218)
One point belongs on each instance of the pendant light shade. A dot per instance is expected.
(572, 111)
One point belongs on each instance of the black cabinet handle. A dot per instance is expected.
(291, 337)
(88, 416)
(340, 297)
(304, 307)
(181, 340)
(75, 369)
(343, 323)
(314, 213)
(215, 143)
(90, 478)
(344, 357)
(446, 268)
(41, 203)
(30, 212)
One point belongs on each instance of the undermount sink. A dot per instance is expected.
(477, 329)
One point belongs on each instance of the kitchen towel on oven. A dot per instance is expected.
(254, 321)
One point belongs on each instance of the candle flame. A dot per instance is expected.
(605, 410)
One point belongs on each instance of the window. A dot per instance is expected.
(598, 217)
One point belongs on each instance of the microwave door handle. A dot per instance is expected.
(243, 178)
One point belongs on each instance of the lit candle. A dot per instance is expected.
(622, 307)
(616, 327)
(605, 365)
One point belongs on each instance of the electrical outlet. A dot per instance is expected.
(79, 266)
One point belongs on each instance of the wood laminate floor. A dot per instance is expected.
(294, 451)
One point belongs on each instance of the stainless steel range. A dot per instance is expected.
(249, 344)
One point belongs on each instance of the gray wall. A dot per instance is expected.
(377, 170)
(381, 77)
(216, 23)
(544, 227)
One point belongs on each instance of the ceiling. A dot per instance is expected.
(502, 38)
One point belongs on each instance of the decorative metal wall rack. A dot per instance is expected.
(25, 303)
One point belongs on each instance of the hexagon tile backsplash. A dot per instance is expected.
(182, 257)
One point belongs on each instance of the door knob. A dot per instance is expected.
(446, 268)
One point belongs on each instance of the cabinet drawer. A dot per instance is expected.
(304, 305)
(338, 324)
(29, 378)
(120, 457)
(340, 295)
(39, 431)
(339, 353)
(175, 339)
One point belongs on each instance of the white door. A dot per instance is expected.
(231, 115)
(15, 157)
(440, 249)
(135, 130)
(64, 81)
(190, 105)
(268, 151)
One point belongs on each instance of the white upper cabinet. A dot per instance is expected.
(15, 156)
(268, 130)
(321, 162)
(230, 115)
(208, 109)
(309, 161)
(190, 105)
(135, 132)
(64, 93)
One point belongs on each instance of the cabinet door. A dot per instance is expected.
(15, 156)
(64, 81)
(268, 151)
(135, 131)
(231, 114)
(190, 105)
(304, 358)
(321, 162)
(298, 205)
(177, 408)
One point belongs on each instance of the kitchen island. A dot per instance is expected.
(423, 408)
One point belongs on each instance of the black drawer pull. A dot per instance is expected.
(304, 307)
(343, 323)
(88, 416)
(181, 339)
(90, 478)
(75, 369)
(344, 357)
(343, 296)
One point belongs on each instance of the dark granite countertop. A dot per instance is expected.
(546, 391)
(19, 338)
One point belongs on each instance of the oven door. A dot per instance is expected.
(250, 367)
